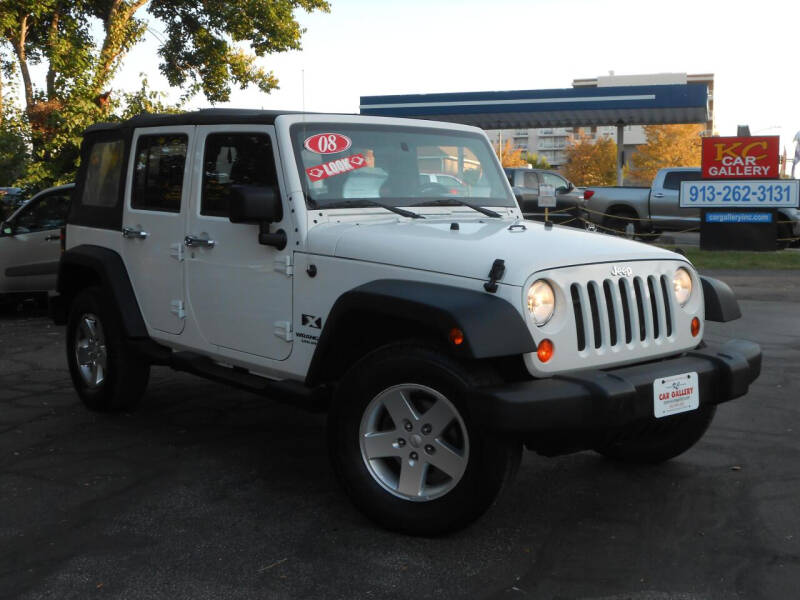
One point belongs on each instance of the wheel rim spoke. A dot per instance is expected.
(381, 445)
(91, 326)
(447, 460)
(399, 408)
(438, 416)
(412, 477)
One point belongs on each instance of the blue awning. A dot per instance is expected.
(569, 107)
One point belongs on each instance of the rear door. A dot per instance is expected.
(156, 200)
(239, 291)
(665, 210)
(29, 244)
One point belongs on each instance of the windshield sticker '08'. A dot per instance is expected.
(327, 143)
(336, 167)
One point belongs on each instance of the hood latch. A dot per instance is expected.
(495, 273)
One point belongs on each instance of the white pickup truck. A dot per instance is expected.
(638, 210)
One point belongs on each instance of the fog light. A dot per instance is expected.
(456, 336)
(695, 327)
(545, 350)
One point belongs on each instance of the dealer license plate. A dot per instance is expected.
(675, 394)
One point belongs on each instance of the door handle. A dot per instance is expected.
(52, 237)
(131, 233)
(658, 195)
(192, 241)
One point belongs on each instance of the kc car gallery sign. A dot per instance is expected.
(741, 157)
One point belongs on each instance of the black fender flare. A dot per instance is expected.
(492, 327)
(109, 270)
(720, 301)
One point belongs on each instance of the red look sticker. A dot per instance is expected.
(336, 167)
(327, 143)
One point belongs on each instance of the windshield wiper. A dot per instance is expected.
(365, 202)
(456, 201)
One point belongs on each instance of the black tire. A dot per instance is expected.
(662, 440)
(489, 463)
(125, 376)
(622, 222)
(784, 233)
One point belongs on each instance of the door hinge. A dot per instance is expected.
(176, 251)
(283, 329)
(284, 265)
(176, 308)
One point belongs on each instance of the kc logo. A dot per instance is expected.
(617, 271)
(312, 321)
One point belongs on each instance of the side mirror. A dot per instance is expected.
(258, 204)
(254, 204)
(570, 186)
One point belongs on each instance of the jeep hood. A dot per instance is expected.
(469, 251)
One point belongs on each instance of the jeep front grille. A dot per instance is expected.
(630, 311)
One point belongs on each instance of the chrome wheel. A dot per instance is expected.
(90, 350)
(414, 442)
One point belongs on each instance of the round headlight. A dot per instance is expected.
(682, 285)
(541, 301)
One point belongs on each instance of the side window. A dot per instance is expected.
(158, 173)
(234, 159)
(48, 212)
(101, 187)
(531, 180)
(554, 180)
(673, 180)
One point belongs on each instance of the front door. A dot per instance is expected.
(665, 203)
(239, 291)
(156, 202)
(30, 244)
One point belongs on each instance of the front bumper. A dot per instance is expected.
(600, 401)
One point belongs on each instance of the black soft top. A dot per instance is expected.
(206, 116)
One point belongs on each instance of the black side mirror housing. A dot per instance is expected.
(254, 204)
(261, 205)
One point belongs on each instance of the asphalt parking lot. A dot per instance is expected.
(209, 492)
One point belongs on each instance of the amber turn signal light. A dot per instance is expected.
(456, 336)
(545, 350)
(695, 327)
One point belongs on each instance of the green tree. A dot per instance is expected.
(667, 146)
(591, 162)
(537, 162)
(207, 47)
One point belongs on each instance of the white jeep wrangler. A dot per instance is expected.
(307, 257)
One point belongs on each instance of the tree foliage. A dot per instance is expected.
(508, 156)
(667, 146)
(537, 162)
(591, 162)
(206, 47)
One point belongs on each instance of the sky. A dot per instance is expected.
(364, 48)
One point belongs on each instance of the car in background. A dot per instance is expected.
(11, 198)
(525, 182)
(452, 184)
(30, 243)
(650, 210)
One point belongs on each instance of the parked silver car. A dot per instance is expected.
(29, 242)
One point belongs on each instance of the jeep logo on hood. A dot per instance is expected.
(617, 271)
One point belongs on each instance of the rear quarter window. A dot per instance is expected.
(101, 187)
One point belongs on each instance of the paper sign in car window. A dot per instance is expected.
(339, 166)
(327, 143)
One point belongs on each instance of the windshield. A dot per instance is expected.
(341, 164)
